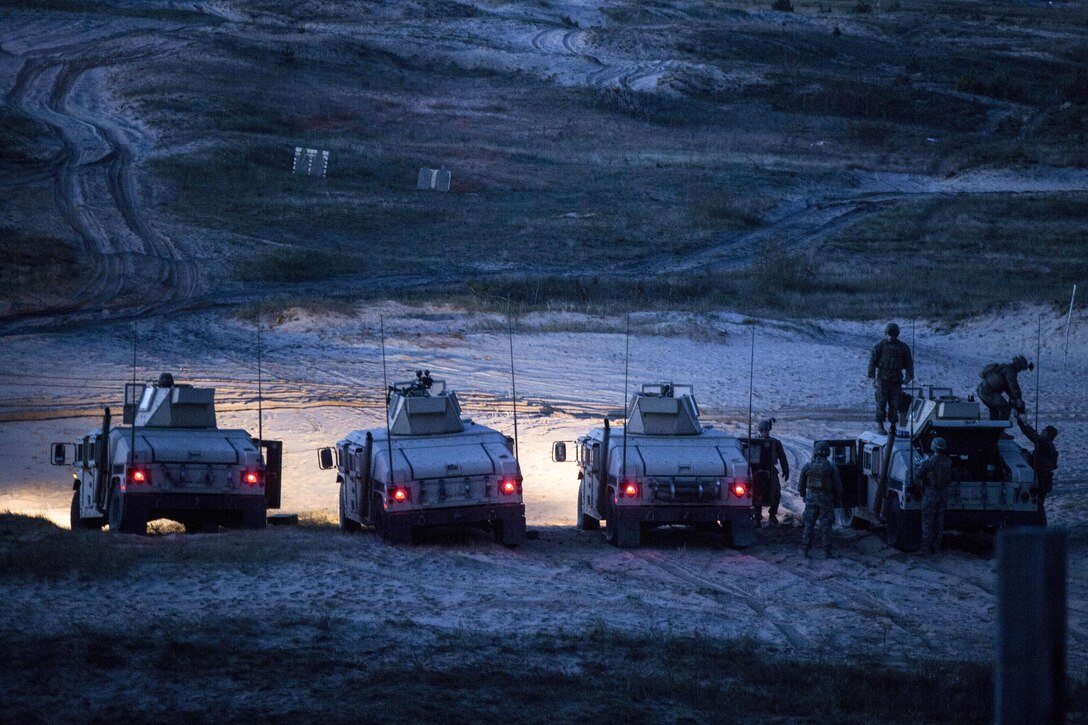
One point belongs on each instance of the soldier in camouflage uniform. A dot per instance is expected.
(998, 380)
(888, 362)
(768, 487)
(821, 487)
(935, 475)
(1044, 459)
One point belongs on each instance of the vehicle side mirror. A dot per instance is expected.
(559, 451)
(128, 414)
(325, 459)
(60, 454)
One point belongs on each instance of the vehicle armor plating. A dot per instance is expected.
(169, 460)
(663, 467)
(431, 467)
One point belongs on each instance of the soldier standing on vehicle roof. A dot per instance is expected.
(935, 475)
(821, 487)
(887, 364)
(768, 487)
(998, 379)
(1044, 459)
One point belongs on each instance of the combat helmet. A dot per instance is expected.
(938, 444)
(891, 329)
(765, 425)
(1050, 432)
(822, 449)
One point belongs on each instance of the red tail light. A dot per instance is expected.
(739, 489)
(400, 495)
(138, 475)
(509, 487)
(630, 489)
(251, 478)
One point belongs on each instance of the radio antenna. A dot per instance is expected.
(626, 397)
(385, 381)
(513, 380)
(132, 444)
(260, 387)
(751, 388)
(1038, 365)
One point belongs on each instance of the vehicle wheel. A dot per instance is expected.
(585, 522)
(847, 519)
(624, 534)
(348, 526)
(79, 523)
(903, 528)
(122, 520)
(198, 524)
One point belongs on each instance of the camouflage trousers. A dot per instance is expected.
(820, 513)
(888, 393)
(999, 406)
(934, 504)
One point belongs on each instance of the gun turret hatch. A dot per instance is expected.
(415, 409)
(664, 409)
(166, 404)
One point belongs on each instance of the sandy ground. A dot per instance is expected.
(323, 377)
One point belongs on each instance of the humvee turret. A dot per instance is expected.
(663, 467)
(992, 484)
(172, 462)
(429, 467)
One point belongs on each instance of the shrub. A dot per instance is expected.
(784, 6)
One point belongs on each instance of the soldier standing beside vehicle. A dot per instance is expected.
(1044, 459)
(768, 489)
(935, 475)
(998, 379)
(821, 487)
(888, 362)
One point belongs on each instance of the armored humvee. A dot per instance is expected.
(430, 467)
(993, 485)
(171, 461)
(663, 467)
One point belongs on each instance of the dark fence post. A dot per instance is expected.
(1029, 682)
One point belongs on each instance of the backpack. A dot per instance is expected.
(819, 476)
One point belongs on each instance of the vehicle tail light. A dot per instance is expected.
(400, 494)
(630, 489)
(740, 489)
(251, 478)
(509, 486)
(139, 476)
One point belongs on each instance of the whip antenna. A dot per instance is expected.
(626, 397)
(751, 388)
(132, 444)
(513, 380)
(1038, 366)
(385, 381)
(260, 387)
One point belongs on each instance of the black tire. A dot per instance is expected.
(347, 526)
(200, 524)
(902, 528)
(847, 519)
(585, 522)
(79, 523)
(123, 520)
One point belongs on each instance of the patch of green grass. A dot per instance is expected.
(24, 141)
(299, 265)
(35, 266)
(35, 548)
(239, 668)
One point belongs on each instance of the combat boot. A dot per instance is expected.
(880, 429)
